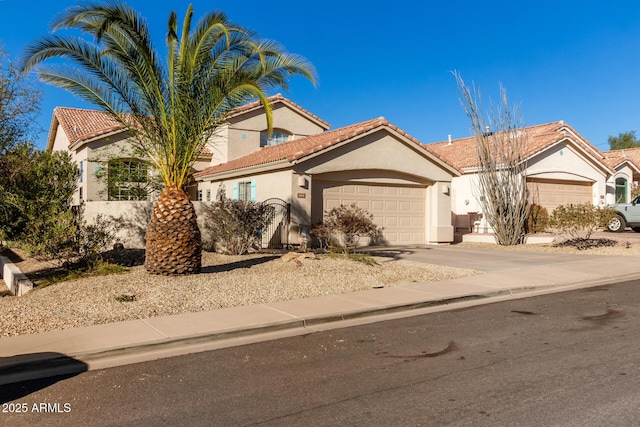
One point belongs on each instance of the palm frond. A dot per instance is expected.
(172, 109)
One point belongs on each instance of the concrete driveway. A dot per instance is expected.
(475, 258)
(627, 234)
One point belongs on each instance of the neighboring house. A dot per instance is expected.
(373, 164)
(562, 168)
(627, 174)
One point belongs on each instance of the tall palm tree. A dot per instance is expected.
(171, 108)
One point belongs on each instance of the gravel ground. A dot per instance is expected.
(226, 281)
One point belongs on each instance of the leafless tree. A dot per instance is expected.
(501, 146)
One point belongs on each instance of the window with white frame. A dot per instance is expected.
(278, 136)
(208, 195)
(81, 171)
(128, 180)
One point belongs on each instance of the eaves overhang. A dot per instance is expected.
(249, 170)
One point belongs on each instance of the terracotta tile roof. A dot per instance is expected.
(461, 153)
(299, 148)
(80, 124)
(274, 99)
(615, 157)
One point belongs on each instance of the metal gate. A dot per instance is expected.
(276, 234)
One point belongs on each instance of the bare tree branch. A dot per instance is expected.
(500, 147)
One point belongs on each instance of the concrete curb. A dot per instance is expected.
(43, 365)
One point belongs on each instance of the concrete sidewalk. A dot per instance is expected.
(75, 350)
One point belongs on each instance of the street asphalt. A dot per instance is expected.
(506, 275)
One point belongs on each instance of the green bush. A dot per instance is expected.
(583, 218)
(343, 226)
(67, 238)
(537, 219)
(236, 225)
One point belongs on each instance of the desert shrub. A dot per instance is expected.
(69, 239)
(345, 225)
(583, 218)
(323, 233)
(236, 225)
(537, 219)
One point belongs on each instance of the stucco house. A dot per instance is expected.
(627, 174)
(420, 193)
(373, 164)
(562, 168)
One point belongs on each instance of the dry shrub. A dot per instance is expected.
(584, 218)
(343, 226)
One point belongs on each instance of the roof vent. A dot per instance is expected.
(449, 139)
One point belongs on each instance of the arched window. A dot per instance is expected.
(621, 190)
(278, 136)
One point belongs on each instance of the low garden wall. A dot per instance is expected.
(132, 218)
(17, 282)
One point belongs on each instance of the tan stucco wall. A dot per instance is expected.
(268, 185)
(564, 162)
(133, 218)
(283, 117)
(61, 142)
(378, 151)
(439, 227)
(218, 146)
(242, 136)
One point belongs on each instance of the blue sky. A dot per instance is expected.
(577, 61)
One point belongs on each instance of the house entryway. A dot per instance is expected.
(276, 235)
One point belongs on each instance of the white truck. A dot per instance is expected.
(628, 216)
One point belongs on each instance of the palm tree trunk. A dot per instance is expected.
(174, 243)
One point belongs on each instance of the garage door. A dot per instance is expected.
(551, 194)
(399, 209)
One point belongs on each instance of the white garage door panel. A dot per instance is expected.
(400, 210)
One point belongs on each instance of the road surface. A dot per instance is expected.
(569, 359)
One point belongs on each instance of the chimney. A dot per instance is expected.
(449, 139)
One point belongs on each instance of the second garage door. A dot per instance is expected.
(399, 209)
(551, 194)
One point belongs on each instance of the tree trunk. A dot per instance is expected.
(174, 244)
